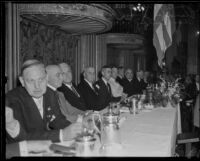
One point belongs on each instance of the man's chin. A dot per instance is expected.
(37, 96)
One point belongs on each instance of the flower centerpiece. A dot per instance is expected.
(166, 92)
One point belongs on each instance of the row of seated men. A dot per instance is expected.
(48, 105)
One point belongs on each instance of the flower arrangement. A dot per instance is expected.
(166, 92)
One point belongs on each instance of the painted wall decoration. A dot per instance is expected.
(48, 44)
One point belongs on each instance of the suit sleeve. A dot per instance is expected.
(60, 121)
(24, 134)
(102, 102)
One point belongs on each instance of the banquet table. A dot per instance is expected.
(150, 133)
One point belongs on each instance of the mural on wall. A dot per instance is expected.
(47, 44)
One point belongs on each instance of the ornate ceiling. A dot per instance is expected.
(101, 18)
(72, 18)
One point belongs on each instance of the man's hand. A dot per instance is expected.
(71, 131)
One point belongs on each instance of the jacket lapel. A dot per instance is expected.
(32, 108)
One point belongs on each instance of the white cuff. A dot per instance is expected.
(13, 128)
(23, 148)
(61, 135)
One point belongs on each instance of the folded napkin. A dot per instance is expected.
(149, 107)
(124, 109)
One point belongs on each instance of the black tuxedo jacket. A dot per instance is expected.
(120, 80)
(26, 112)
(138, 86)
(72, 98)
(104, 96)
(89, 95)
(128, 86)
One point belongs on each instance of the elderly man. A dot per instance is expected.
(128, 83)
(36, 108)
(139, 84)
(104, 90)
(87, 89)
(120, 75)
(69, 89)
(55, 80)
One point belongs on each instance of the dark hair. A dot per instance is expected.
(120, 67)
(106, 66)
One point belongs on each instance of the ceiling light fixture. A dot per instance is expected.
(139, 8)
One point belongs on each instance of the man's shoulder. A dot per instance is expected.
(82, 84)
(18, 91)
(62, 88)
(100, 81)
(98, 84)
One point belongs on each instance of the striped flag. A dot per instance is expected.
(164, 27)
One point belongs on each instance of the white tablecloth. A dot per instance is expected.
(146, 134)
(149, 133)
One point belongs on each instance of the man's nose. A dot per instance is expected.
(37, 85)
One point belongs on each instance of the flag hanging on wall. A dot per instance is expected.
(164, 27)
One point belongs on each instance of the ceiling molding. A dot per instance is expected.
(72, 18)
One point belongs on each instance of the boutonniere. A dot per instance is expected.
(97, 86)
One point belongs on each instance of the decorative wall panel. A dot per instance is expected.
(47, 44)
(92, 52)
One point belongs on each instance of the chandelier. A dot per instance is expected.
(138, 7)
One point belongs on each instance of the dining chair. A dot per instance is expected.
(188, 139)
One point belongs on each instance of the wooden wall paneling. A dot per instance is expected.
(12, 45)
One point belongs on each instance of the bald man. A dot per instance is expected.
(36, 107)
(87, 89)
(55, 80)
(69, 89)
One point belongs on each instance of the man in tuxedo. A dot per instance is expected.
(128, 83)
(55, 80)
(104, 90)
(36, 108)
(139, 84)
(120, 76)
(87, 89)
(69, 89)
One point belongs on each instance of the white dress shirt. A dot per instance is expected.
(197, 84)
(39, 104)
(116, 88)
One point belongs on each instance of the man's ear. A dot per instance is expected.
(21, 80)
(47, 77)
(102, 72)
